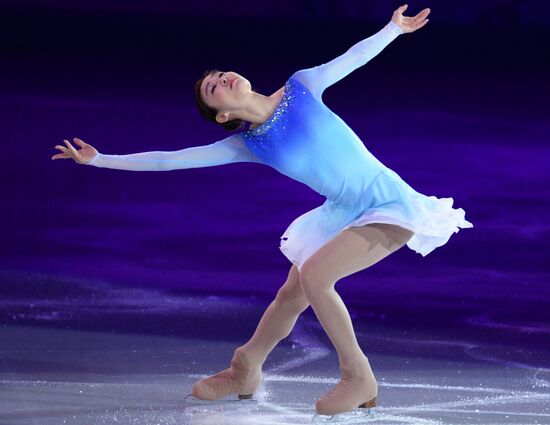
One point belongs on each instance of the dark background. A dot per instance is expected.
(458, 108)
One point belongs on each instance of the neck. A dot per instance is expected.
(260, 107)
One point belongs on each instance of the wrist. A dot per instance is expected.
(394, 28)
(94, 161)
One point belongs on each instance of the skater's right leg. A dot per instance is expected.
(278, 319)
(244, 375)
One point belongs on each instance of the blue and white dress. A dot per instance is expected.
(304, 140)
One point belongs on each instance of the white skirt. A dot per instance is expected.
(391, 200)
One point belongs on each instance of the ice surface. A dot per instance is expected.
(104, 355)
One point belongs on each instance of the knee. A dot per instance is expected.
(312, 279)
(289, 292)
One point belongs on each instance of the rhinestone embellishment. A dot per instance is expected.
(286, 101)
(261, 140)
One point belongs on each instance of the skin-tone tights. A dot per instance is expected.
(352, 250)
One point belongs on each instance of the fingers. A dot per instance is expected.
(418, 18)
(399, 11)
(71, 147)
(422, 24)
(413, 23)
(63, 148)
(69, 152)
(421, 15)
(64, 153)
(74, 153)
(61, 156)
(79, 142)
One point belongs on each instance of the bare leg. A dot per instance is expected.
(278, 319)
(244, 375)
(352, 250)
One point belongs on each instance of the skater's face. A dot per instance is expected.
(225, 92)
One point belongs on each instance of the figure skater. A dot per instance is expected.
(369, 212)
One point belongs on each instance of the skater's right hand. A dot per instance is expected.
(407, 23)
(82, 156)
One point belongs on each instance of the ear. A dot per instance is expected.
(222, 117)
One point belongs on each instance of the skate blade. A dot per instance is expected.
(361, 415)
(193, 400)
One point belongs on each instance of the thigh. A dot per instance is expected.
(354, 249)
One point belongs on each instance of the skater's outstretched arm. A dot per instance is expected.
(318, 78)
(225, 151)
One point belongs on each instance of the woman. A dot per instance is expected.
(369, 212)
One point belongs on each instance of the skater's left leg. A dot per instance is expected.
(352, 250)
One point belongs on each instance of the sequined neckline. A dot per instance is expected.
(275, 115)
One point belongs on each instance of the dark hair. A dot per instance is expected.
(210, 113)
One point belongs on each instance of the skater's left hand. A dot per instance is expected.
(82, 156)
(410, 24)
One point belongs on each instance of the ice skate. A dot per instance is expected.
(357, 389)
(243, 377)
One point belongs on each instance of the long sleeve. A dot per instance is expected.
(318, 78)
(229, 150)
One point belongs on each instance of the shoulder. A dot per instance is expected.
(305, 73)
(309, 78)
